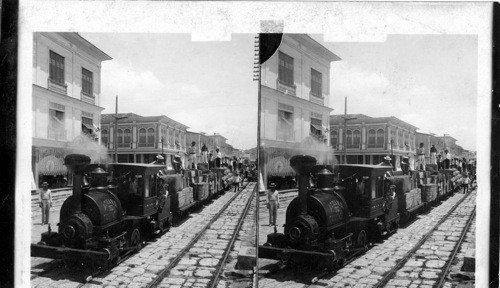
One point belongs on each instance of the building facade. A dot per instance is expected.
(139, 139)
(367, 140)
(66, 97)
(295, 85)
(444, 142)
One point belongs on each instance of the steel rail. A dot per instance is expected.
(165, 271)
(220, 269)
(388, 276)
(456, 248)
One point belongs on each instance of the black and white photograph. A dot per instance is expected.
(368, 159)
(253, 144)
(143, 172)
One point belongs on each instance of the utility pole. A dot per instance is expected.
(116, 129)
(345, 130)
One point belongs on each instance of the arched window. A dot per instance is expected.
(104, 137)
(334, 138)
(142, 136)
(371, 137)
(120, 136)
(348, 137)
(127, 136)
(380, 138)
(151, 136)
(356, 137)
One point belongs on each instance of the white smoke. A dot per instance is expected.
(323, 153)
(84, 145)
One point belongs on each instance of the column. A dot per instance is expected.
(363, 137)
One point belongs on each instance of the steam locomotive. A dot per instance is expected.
(340, 209)
(112, 211)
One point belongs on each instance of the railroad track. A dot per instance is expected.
(215, 277)
(391, 273)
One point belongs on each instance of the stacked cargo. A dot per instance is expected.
(200, 191)
(429, 192)
(185, 197)
(413, 199)
(174, 182)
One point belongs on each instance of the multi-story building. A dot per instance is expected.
(66, 99)
(140, 138)
(369, 139)
(295, 88)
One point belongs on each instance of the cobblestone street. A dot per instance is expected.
(421, 270)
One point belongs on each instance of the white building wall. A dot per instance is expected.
(74, 60)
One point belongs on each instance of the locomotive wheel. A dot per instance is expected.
(135, 238)
(361, 239)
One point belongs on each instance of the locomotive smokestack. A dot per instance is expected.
(76, 164)
(302, 165)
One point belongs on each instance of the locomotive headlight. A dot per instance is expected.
(295, 234)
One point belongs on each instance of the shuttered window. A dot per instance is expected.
(87, 82)
(56, 68)
(285, 72)
(316, 83)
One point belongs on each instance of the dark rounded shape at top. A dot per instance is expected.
(302, 164)
(76, 163)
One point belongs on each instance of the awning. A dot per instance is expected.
(88, 126)
(52, 166)
(317, 127)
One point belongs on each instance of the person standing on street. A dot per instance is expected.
(273, 203)
(433, 155)
(45, 202)
(204, 153)
(236, 181)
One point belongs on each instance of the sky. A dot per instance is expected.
(429, 81)
(207, 86)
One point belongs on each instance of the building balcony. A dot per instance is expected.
(375, 145)
(56, 134)
(353, 146)
(123, 145)
(146, 145)
(57, 87)
(88, 98)
(317, 99)
(286, 88)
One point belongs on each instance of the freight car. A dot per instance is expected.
(116, 207)
(340, 209)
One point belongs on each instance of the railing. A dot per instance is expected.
(123, 145)
(375, 145)
(352, 146)
(57, 87)
(56, 134)
(286, 88)
(146, 145)
(87, 98)
(318, 99)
